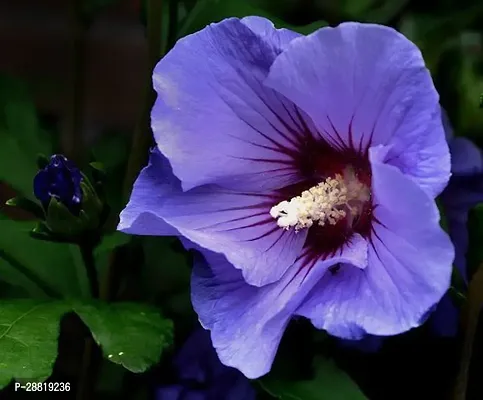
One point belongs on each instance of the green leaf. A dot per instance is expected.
(42, 268)
(329, 383)
(132, 335)
(27, 205)
(208, 11)
(28, 339)
(97, 166)
(21, 136)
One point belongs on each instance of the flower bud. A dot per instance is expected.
(72, 206)
(59, 180)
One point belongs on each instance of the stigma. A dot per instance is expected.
(337, 198)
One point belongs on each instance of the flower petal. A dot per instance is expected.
(409, 265)
(143, 213)
(171, 392)
(240, 226)
(462, 194)
(247, 322)
(466, 158)
(213, 117)
(444, 320)
(279, 38)
(41, 186)
(366, 84)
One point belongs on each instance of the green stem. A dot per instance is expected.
(90, 357)
(86, 250)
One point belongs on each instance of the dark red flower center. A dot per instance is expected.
(318, 161)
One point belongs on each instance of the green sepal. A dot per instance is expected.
(42, 232)
(27, 205)
(61, 221)
(91, 205)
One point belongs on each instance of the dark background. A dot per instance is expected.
(37, 38)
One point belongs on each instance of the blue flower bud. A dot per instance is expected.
(60, 180)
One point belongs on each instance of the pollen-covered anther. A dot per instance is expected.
(326, 203)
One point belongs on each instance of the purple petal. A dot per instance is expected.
(409, 265)
(143, 213)
(193, 394)
(466, 158)
(197, 358)
(247, 322)
(366, 84)
(172, 392)
(238, 225)
(279, 38)
(41, 186)
(445, 318)
(214, 119)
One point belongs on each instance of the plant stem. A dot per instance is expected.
(86, 250)
(142, 138)
(470, 314)
(90, 359)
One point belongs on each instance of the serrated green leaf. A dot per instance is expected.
(132, 335)
(21, 137)
(329, 383)
(29, 330)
